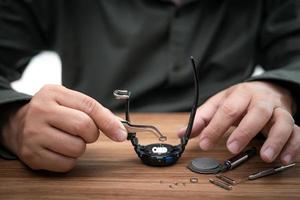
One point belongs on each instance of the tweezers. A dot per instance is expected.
(133, 128)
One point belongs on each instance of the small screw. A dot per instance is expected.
(193, 180)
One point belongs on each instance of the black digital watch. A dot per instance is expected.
(158, 154)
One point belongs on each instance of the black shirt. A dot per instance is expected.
(144, 46)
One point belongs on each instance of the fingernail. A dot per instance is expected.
(269, 153)
(287, 158)
(233, 146)
(205, 144)
(121, 135)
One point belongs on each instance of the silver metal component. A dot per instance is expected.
(238, 159)
(193, 180)
(281, 168)
(226, 179)
(269, 171)
(121, 94)
(237, 162)
(133, 128)
(220, 184)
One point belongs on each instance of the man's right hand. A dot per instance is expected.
(52, 130)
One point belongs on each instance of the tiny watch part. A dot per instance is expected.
(193, 180)
(158, 154)
(226, 179)
(220, 184)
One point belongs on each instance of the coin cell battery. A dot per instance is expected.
(205, 166)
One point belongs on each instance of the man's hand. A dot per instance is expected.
(253, 107)
(51, 131)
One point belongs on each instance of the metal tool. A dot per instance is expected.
(238, 159)
(124, 95)
(133, 128)
(226, 179)
(269, 171)
(220, 184)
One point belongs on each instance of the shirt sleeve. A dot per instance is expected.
(279, 46)
(24, 32)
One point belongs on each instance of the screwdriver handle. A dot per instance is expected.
(239, 159)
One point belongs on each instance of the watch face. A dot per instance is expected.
(160, 154)
(159, 149)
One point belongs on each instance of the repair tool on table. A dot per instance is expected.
(205, 165)
(238, 159)
(228, 183)
(221, 184)
(226, 179)
(269, 171)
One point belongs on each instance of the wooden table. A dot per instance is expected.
(110, 170)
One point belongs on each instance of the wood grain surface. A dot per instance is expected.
(110, 170)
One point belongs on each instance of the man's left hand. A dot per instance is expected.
(253, 107)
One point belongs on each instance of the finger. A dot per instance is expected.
(204, 114)
(48, 160)
(228, 112)
(278, 136)
(55, 162)
(62, 143)
(74, 122)
(105, 120)
(253, 122)
(292, 148)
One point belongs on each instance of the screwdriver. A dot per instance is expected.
(269, 171)
(238, 159)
